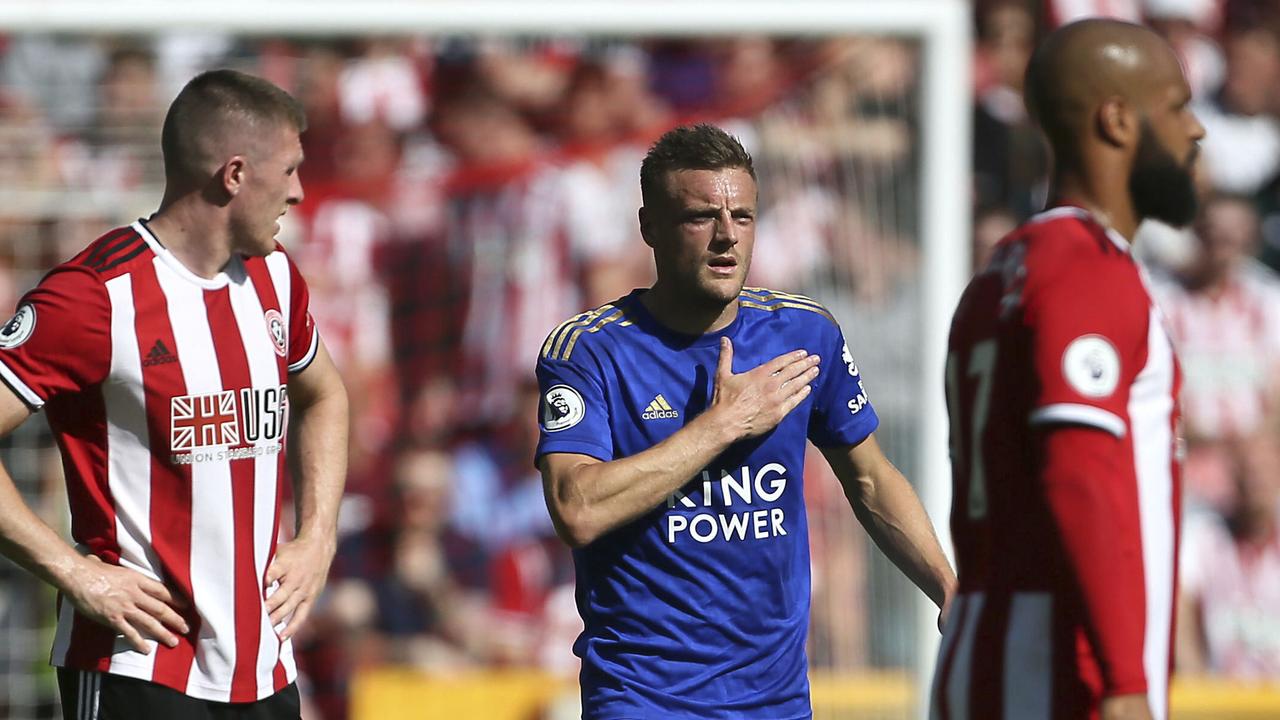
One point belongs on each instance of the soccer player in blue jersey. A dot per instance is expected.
(673, 424)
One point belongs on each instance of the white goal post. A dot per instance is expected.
(943, 28)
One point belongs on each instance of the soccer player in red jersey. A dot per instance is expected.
(172, 357)
(1062, 389)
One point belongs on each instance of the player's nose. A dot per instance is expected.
(295, 189)
(726, 230)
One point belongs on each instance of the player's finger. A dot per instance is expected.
(282, 603)
(133, 637)
(724, 367)
(775, 366)
(165, 614)
(792, 401)
(148, 627)
(161, 592)
(299, 617)
(278, 598)
(798, 369)
(279, 565)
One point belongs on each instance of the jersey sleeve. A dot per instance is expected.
(1096, 513)
(1088, 329)
(842, 412)
(59, 340)
(304, 338)
(573, 416)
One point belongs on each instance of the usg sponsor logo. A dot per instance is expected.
(254, 417)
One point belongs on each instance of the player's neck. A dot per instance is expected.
(685, 315)
(197, 239)
(1103, 193)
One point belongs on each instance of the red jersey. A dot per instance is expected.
(1061, 387)
(166, 393)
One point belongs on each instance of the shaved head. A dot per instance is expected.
(1083, 64)
(218, 114)
(1113, 102)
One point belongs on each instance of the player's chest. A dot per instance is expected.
(657, 391)
(206, 368)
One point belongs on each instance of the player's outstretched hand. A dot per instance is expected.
(128, 602)
(301, 567)
(754, 402)
(1126, 707)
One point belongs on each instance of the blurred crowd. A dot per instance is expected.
(463, 196)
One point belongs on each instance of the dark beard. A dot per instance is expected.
(1160, 187)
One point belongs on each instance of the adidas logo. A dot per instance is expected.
(659, 409)
(159, 355)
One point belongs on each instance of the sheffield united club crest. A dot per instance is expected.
(275, 329)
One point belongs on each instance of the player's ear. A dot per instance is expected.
(232, 175)
(646, 225)
(1117, 123)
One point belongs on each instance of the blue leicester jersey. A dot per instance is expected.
(699, 608)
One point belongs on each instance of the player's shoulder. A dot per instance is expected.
(794, 307)
(114, 253)
(605, 325)
(1069, 236)
(278, 259)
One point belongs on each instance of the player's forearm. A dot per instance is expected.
(889, 509)
(318, 448)
(28, 541)
(594, 498)
(1094, 504)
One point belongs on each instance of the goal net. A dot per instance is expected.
(471, 180)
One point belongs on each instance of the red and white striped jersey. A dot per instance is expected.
(167, 394)
(1229, 345)
(1061, 386)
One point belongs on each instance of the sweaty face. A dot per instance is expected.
(270, 186)
(1163, 186)
(702, 234)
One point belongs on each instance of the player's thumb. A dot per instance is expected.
(724, 368)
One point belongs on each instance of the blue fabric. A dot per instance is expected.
(700, 608)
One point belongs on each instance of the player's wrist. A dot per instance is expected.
(68, 572)
(324, 535)
(718, 429)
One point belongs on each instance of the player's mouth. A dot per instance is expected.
(723, 265)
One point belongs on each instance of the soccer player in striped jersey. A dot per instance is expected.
(172, 357)
(1062, 387)
(672, 452)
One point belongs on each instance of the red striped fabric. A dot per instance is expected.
(234, 368)
(170, 484)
